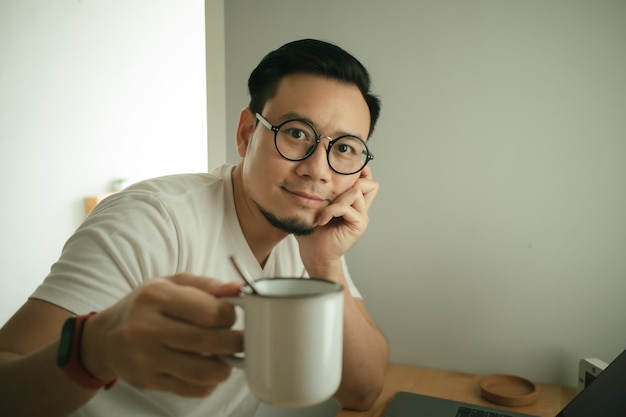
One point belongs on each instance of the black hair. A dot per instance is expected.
(314, 57)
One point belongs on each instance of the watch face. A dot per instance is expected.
(65, 345)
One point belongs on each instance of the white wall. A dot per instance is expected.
(90, 91)
(216, 80)
(498, 240)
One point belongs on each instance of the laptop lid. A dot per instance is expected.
(606, 396)
(408, 404)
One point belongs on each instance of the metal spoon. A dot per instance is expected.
(244, 274)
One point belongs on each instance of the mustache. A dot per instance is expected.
(307, 188)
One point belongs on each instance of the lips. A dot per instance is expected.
(306, 195)
(306, 199)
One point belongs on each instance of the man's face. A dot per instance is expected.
(290, 194)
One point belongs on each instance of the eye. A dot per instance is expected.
(344, 148)
(296, 133)
(349, 147)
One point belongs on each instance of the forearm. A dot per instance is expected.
(365, 351)
(32, 385)
(365, 358)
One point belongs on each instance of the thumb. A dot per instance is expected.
(211, 286)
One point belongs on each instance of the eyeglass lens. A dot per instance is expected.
(296, 140)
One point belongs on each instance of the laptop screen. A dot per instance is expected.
(606, 396)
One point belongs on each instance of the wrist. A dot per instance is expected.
(70, 355)
(93, 350)
(328, 270)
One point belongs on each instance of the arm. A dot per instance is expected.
(30, 382)
(365, 351)
(157, 337)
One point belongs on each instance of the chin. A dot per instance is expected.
(292, 225)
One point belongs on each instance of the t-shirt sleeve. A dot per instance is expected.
(128, 238)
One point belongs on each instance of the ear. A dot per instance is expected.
(245, 130)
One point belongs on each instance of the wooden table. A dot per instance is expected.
(459, 387)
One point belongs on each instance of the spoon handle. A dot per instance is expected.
(244, 274)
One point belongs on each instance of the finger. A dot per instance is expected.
(348, 204)
(208, 285)
(347, 214)
(187, 303)
(366, 173)
(194, 379)
(353, 197)
(199, 369)
(189, 338)
(356, 200)
(369, 189)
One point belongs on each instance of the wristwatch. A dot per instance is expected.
(68, 358)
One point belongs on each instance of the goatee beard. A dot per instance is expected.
(292, 225)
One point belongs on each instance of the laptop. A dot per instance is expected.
(605, 397)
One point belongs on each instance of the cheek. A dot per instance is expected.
(260, 148)
(262, 167)
(345, 183)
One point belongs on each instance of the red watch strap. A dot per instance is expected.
(74, 367)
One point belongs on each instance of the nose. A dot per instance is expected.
(316, 165)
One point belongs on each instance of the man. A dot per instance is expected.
(152, 260)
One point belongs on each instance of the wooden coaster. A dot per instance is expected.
(508, 390)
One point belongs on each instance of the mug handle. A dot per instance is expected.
(236, 361)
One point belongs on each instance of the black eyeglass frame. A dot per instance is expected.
(318, 139)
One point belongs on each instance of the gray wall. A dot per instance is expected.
(498, 240)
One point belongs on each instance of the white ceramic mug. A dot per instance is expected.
(293, 340)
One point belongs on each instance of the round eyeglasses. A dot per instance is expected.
(297, 139)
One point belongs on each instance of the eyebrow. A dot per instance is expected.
(298, 116)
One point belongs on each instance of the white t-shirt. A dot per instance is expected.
(155, 228)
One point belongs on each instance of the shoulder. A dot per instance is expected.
(170, 194)
(178, 184)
